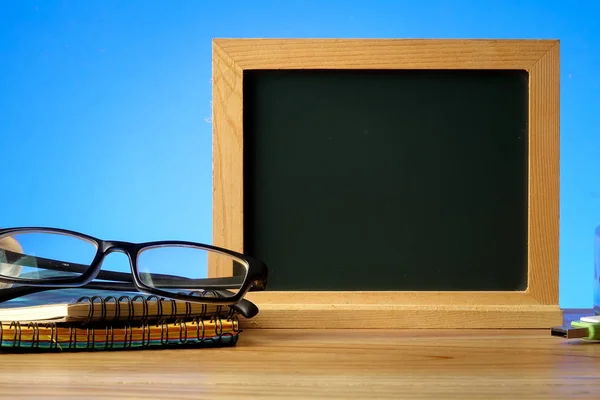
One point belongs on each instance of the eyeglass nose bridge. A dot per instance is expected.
(110, 247)
(114, 246)
(100, 269)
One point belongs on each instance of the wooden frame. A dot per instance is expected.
(536, 307)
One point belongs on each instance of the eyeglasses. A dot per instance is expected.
(52, 258)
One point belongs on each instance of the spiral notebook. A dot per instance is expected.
(85, 306)
(51, 337)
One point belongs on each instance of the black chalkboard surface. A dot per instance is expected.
(387, 179)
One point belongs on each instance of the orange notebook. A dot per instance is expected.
(195, 333)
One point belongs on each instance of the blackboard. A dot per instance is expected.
(387, 180)
(391, 183)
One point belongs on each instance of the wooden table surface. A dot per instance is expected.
(328, 364)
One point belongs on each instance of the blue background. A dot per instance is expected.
(105, 105)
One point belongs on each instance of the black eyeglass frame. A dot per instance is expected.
(255, 279)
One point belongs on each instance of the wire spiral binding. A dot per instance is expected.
(130, 307)
(208, 293)
(145, 339)
(72, 337)
(35, 334)
(194, 332)
(201, 335)
(117, 315)
(17, 339)
(230, 317)
(17, 326)
(161, 313)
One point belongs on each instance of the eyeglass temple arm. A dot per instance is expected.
(55, 265)
(244, 307)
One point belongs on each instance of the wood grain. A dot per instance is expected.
(383, 53)
(228, 157)
(544, 176)
(400, 310)
(385, 316)
(323, 364)
(231, 57)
